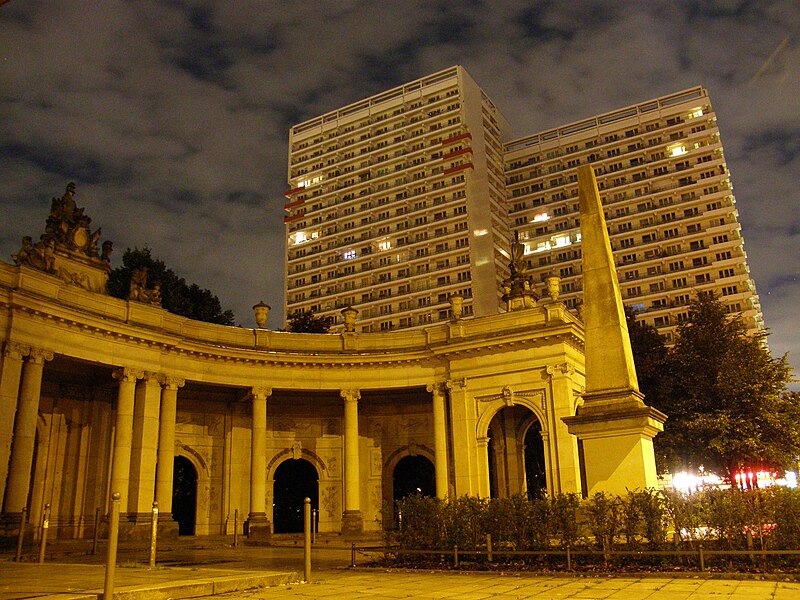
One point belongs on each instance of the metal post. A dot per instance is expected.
(352, 555)
(21, 536)
(45, 528)
(96, 530)
(235, 528)
(489, 547)
(153, 535)
(702, 560)
(569, 559)
(307, 538)
(111, 556)
(455, 556)
(314, 526)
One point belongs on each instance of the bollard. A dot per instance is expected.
(352, 555)
(45, 528)
(702, 560)
(569, 559)
(235, 528)
(111, 556)
(489, 547)
(21, 536)
(314, 525)
(153, 535)
(455, 556)
(307, 539)
(96, 530)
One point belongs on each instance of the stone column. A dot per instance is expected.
(123, 433)
(19, 468)
(439, 440)
(10, 375)
(144, 449)
(258, 523)
(484, 486)
(166, 446)
(352, 520)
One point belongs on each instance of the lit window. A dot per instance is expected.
(677, 150)
(695, 112)
(349, 254)
(385, 245)
(541, 217)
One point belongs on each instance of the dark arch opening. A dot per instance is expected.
(184, 495)
(295, 480)
(535, 472)
(516, 454)
(413, 475)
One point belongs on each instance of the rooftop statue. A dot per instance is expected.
(517, 289)
(68, 246)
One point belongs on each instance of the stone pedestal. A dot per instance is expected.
(617, 440)
(258, 528)
(352, 523)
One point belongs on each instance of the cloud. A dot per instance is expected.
(173, 117)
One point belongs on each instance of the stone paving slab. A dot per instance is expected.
(55, 581)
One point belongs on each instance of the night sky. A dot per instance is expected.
(172, 117)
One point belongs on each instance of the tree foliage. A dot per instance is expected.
(177, 296)
(724, 394)
(305, 321)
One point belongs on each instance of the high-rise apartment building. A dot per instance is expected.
(406, 198)
(668, 201)
(398, 202)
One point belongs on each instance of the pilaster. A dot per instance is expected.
(166, 446)
(439, 439)
(463, 420)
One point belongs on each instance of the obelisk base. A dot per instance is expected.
(617, 439)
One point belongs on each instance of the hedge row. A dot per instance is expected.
(644, 519)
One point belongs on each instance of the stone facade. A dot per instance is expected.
(99, 395)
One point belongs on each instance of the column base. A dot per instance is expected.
(258, 527)
(352, 523)
(9, 531)
(167, 527)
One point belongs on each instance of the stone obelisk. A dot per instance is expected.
(614, 425)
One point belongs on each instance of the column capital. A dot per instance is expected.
(16, 350)
(39, 356)
(171, 382)
(260, 392)
(350, 395)
(560, 369)
(456, 384)
(127, 374)
(437, 389)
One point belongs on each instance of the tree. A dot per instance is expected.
(649, 357)
(177, 296)
(727, 402)
(305, 321)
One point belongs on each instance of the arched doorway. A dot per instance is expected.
(184, 495)
(413, 475)
(295, 480)
(516, 453)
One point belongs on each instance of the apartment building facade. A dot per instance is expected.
(406, 198)
(668, 202)
(398, 202)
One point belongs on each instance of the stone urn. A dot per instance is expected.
(261, 311)
(553, 286)
(456, 306)
(349, 313)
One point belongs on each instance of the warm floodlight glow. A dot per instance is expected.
(677, 150)
(480, 232)
(541, 217)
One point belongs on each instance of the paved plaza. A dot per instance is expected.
(203, 568)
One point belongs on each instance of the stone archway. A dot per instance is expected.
(184, 495)
(294, 480)
(516, 453)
